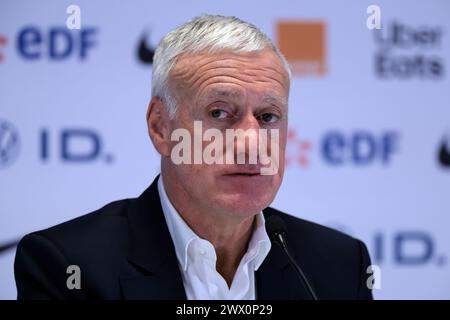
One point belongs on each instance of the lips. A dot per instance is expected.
(245, 180)
(246, 171)
(243, 174)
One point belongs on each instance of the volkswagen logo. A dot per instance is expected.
(9, 143)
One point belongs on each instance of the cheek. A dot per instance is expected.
(197, 176)
(283, 144)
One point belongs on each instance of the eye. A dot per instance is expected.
(219, 114)
(268, 117)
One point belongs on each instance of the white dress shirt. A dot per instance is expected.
(197, 258)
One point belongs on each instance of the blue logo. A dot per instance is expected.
(444, 153)
(73, 145)
(56, 43)
(409, 248)
(9, 143)
(360, 148)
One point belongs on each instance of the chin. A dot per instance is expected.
(244, 205)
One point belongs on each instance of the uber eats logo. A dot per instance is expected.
(408, 51)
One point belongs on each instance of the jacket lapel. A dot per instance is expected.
(276, 278)
(151, 270)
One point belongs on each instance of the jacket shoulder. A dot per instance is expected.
(100, 222)
(99, 235)
(310, 231)
(336, 262)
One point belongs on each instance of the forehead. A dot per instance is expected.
(229, 74)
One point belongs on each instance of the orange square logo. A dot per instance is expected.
(303, 45)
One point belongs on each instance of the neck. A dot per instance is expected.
(229, 236)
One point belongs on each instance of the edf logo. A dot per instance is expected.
(56, 43)
(359, 148)
(72, 145)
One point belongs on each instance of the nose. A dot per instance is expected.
(246, 139)
(248, 121)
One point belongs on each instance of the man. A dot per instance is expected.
(198, 232)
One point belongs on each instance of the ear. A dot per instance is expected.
(158, 124)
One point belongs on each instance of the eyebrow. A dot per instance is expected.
(275, 99)
(214, 93)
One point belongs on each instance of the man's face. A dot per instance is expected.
(229, 91)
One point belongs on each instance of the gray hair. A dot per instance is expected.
(207, 32)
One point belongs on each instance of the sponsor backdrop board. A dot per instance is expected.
(369, 139)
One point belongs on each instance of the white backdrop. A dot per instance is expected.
(365, 133)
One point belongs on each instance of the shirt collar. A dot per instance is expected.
(259, 245)
(182, 235)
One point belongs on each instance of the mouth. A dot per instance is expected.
(245, 174)
(244, 180)
(243, 171)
